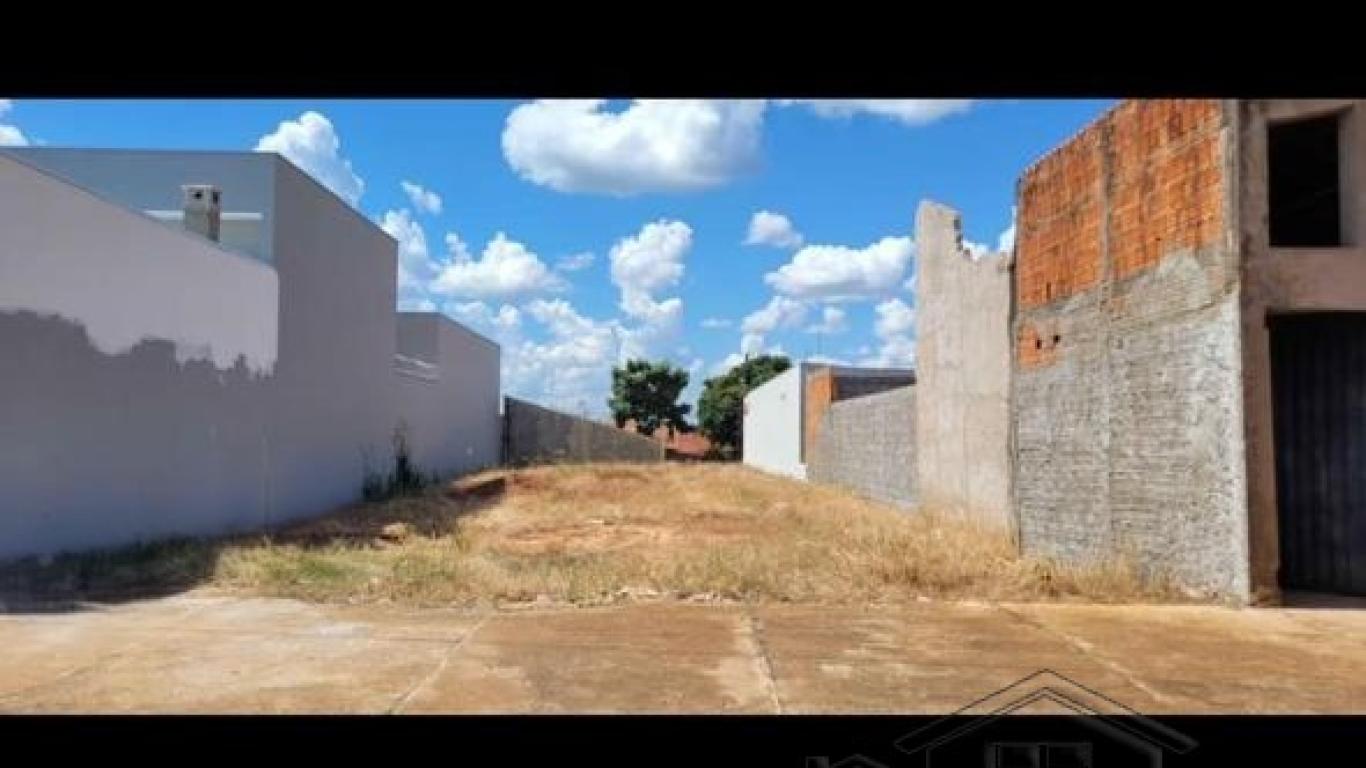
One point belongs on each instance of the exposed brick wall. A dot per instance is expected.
(1142, 181)
(1058, 229)
(1126, 391)
(1166, 180)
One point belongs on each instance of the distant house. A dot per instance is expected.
(781, 417)
(678, 445)
(205, 342)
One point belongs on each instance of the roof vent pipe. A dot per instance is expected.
(202, 205)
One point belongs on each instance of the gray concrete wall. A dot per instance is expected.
(962, 370)
(332, 406)
(1130, 444)
(867, 445)
(450, 410)
(533, 435)
(134, 399)
(1283, 280)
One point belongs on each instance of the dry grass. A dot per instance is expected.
(592, 534)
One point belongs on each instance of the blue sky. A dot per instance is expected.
(577, 233)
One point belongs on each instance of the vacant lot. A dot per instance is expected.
(601, 534)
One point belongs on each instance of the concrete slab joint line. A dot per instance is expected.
(1087, 650)
(422, 684)
(762, 658)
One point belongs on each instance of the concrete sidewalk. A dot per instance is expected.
(195, 653)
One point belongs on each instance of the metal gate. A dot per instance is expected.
(1318, 363)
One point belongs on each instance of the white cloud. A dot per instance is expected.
(894, 328)
(647, 262)
(837, 272)
(424, 200)
(312, 144)
(780, 312)
(574, 262)
(906, 111)
(10, 135)
(571, 370)
(896, 352)
(976, 250)
(833, 321)
(775, 229)
(894, 318)
(725, 364)
(1006, 242)
(416, 305)
(415, 267)
(480, 315)
(457, 248)
(505, 269)
(568, 369)
(712, 323)
(652, 259)
(577, 145)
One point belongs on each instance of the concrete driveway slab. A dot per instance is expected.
(198, 653)
(221, 656)
(930, 658)
(1223, 659)
(641, 658)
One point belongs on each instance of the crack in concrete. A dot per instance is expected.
(761, 656)
(420, 685)
(1087, 650)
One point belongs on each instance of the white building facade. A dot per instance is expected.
(163, 382)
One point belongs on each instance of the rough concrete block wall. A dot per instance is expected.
(533, 434)
(826, 385)
(963, 370)
(1126, 389)
(867, 445)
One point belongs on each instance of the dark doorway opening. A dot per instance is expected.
(1303, 187)
(1318, 368)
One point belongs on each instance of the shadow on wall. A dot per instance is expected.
(103, 449)
(81, 581)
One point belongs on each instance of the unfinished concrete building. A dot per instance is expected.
(1189, 332)
(962, 370)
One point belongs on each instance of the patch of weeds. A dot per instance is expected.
(402, 479)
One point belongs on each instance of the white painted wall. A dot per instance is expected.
(155, 383)
(448, 398)
(136, 370)
(773, 424)
(150, 179)
(333, 403)
(68, 253)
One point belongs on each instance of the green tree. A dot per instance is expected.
(647, 392)
(720, 408)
